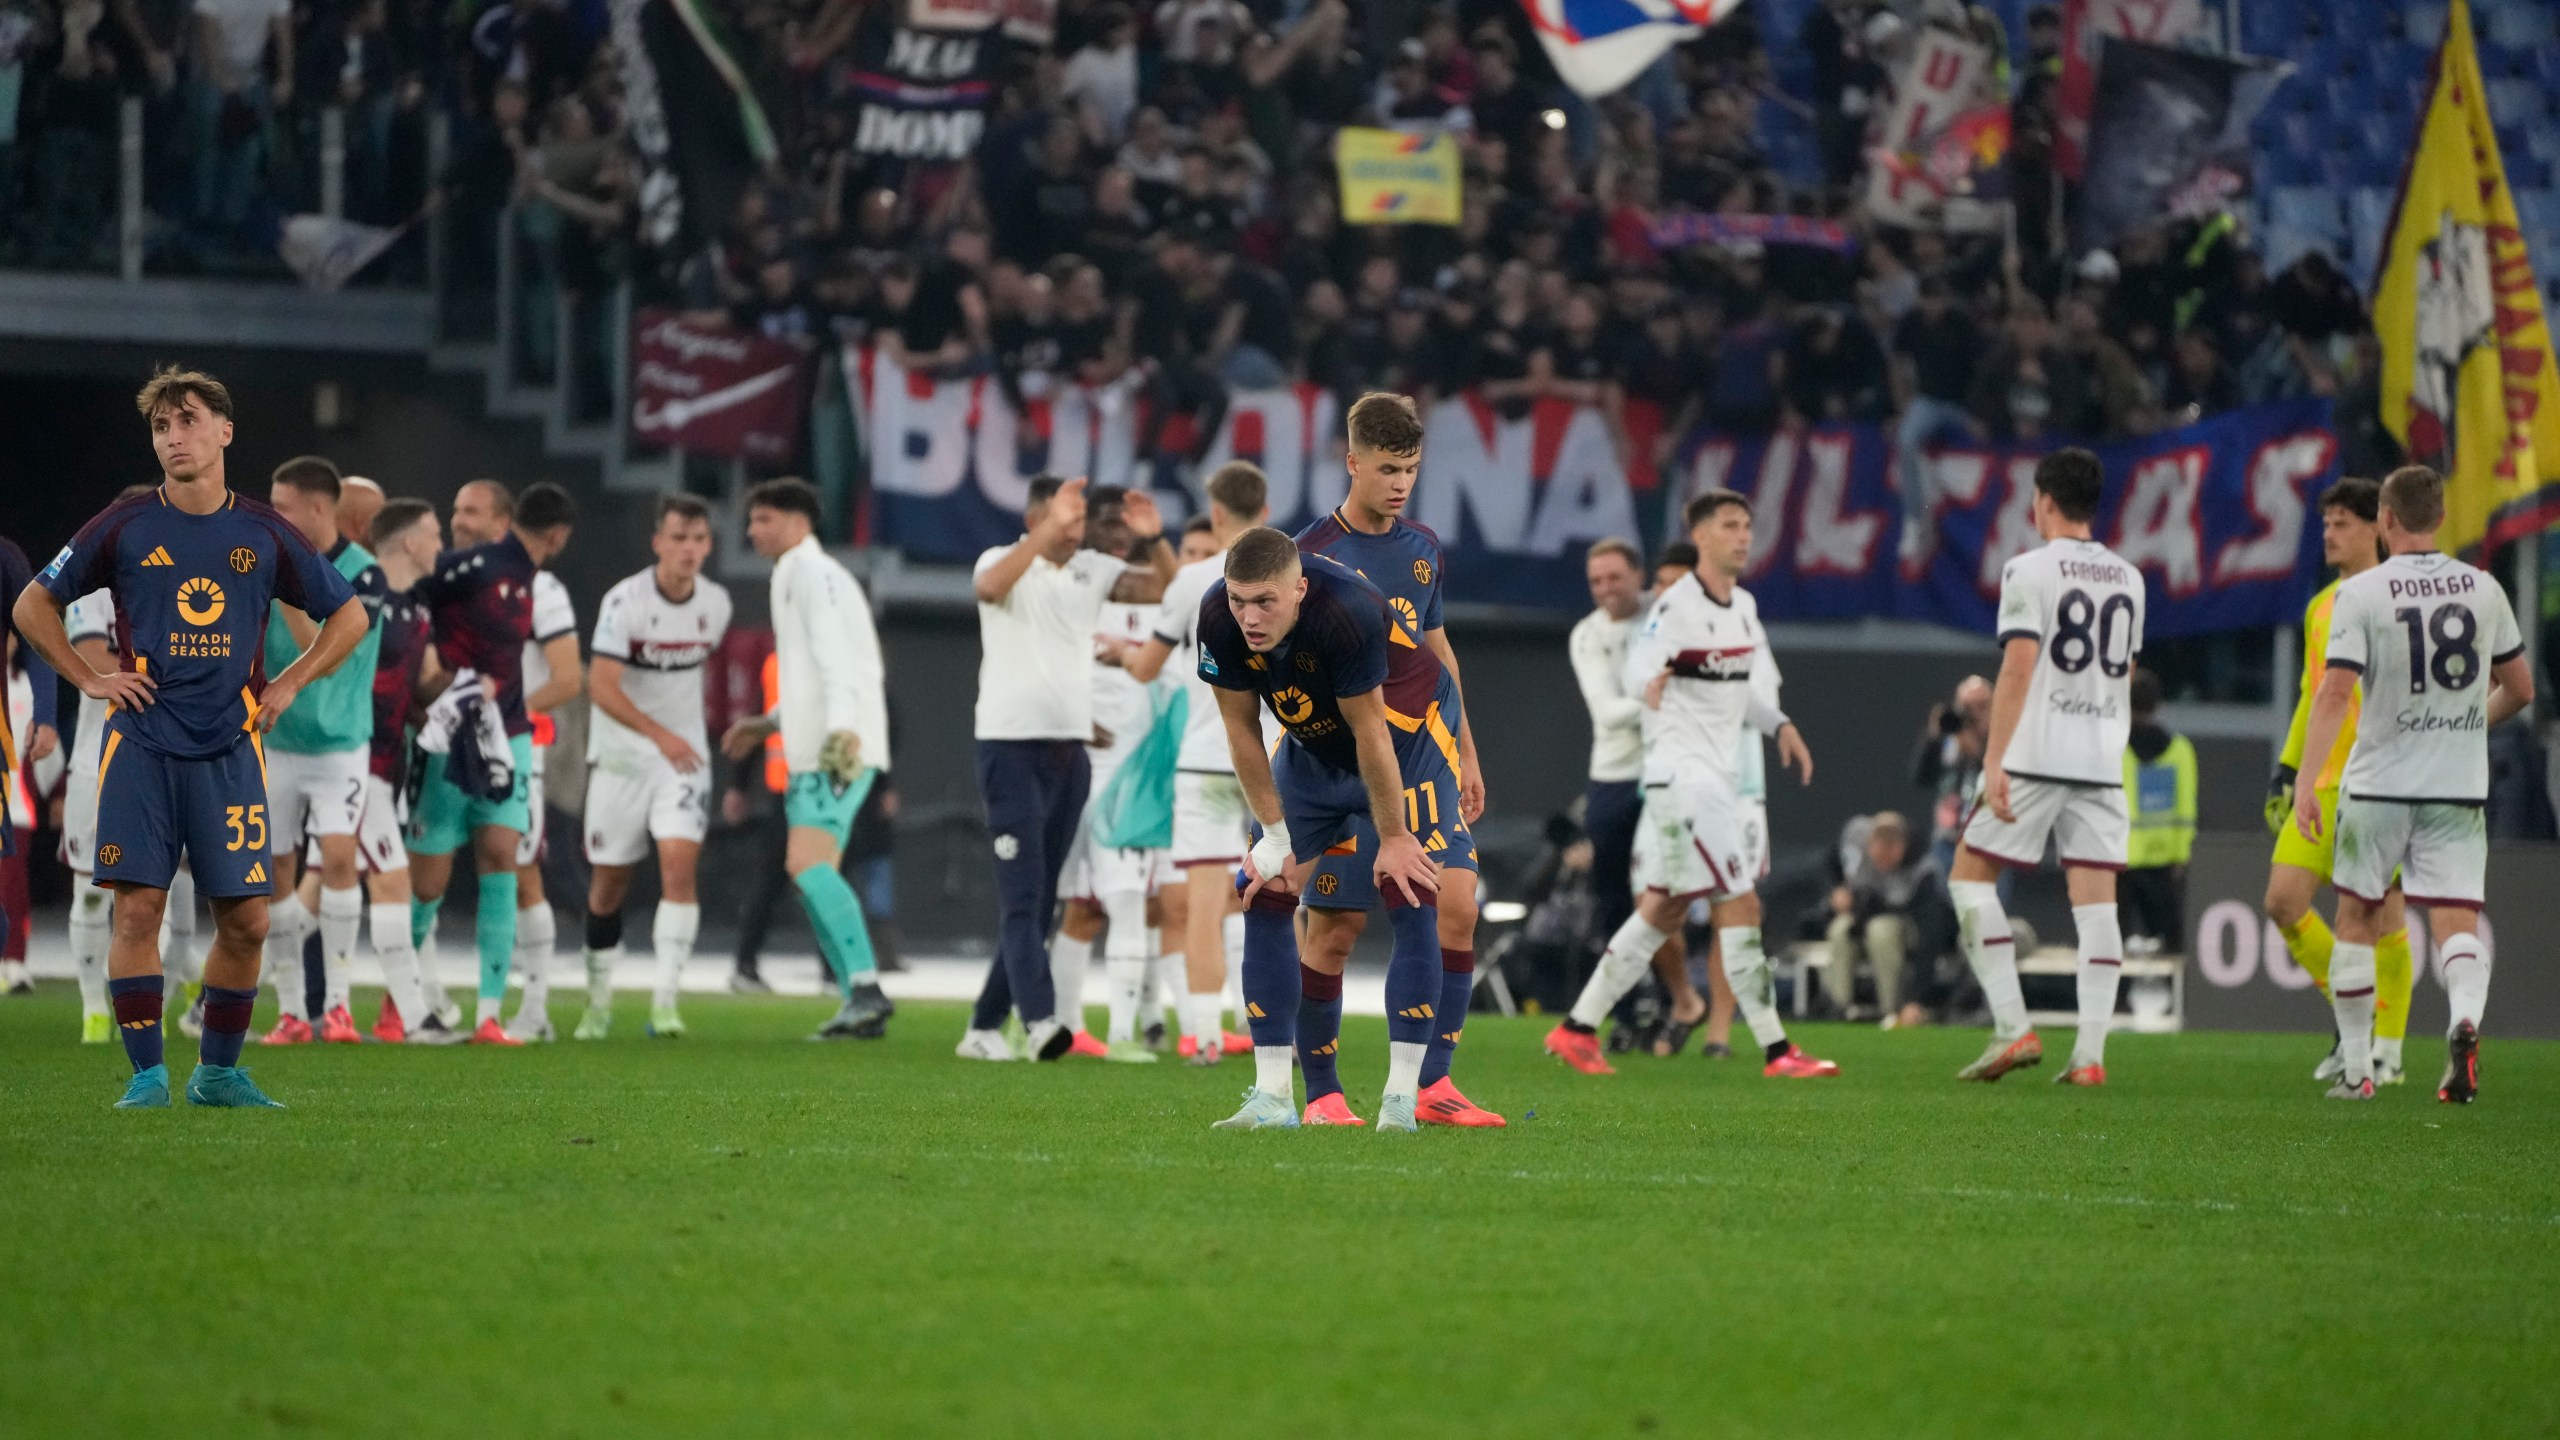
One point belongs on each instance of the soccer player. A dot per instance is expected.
(90, 621)
(1694, 664)
(647, 750)
(1211, 823)
(406, 540)
(1365, 704)
(834, 718)
(1369, 533)
(2070, 626)
(1104, 883)
(317, 760)
(192, 568)
(1039, 600)
(16, 575)
(2420, 631)
(2351, 541)
(553, 676)
(479, 600)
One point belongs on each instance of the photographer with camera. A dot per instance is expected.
(1948, 761)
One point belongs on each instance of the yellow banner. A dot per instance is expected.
(2468, 381)
(1392, 178)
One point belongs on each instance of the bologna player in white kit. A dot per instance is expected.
(2070, 623)
(1211, 823)
(1694, 661)
(648, 753)
(2435, 644)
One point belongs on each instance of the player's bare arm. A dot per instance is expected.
(1145, 584)
(568, 676)
(1470, 773)
(1402, 861)
(1145, 662)
(2008, 702)
(39, 620)
(1240, 711)
(2328, 716)
(1062, 516)
(604, 687)
(337, 639)
(2511, 689)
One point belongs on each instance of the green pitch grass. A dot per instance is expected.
(740, 1233)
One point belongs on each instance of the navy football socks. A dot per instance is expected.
(1319, 1032)
(226, 1024)
(138, 1002)
(1413, 973)
(1271, 989)
(1457, 991)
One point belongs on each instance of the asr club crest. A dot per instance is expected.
(244, 560)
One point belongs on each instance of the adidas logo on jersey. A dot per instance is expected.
(159, 556)
(257, 874)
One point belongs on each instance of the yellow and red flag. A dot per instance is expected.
(2468, 381)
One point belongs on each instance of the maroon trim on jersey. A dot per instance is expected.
(2431, 902)
(2112, 867)
(2363, 899)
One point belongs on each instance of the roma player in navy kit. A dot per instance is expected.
(1369, 745)
(1369, 533)
(192, 568)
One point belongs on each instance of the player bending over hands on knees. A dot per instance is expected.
(2418, 629)
(1364, 705)
(191, 568)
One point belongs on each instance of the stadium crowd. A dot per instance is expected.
(1154, 191)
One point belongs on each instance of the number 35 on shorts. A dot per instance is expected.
(245, 827)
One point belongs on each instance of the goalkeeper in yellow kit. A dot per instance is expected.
(2351, 541)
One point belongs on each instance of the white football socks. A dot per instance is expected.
(1231, 939)
(341, 919)
(1125, 962)
(600, 965)
(1404, 1068)
(1746, 968)
(2351, 977)
(2101, 969)
(1199, 1017)
(287, 922)
(93, 909)
(1629, 956)
(537, 933)
(1271, 1071)
(1069, 959)
(1991, 951)
(2466, 980)
(672, 933)
(399, 956)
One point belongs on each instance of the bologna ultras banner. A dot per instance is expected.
(2219, 514)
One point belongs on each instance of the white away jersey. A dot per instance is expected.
(553, 617)
(1120, 704)
(2083, 606)
(1712, 648)
(2422, 632)
(91, 617)
(663, 645)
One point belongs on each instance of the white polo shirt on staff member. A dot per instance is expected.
(1035, 660)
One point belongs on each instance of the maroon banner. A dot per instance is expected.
(716, 390)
